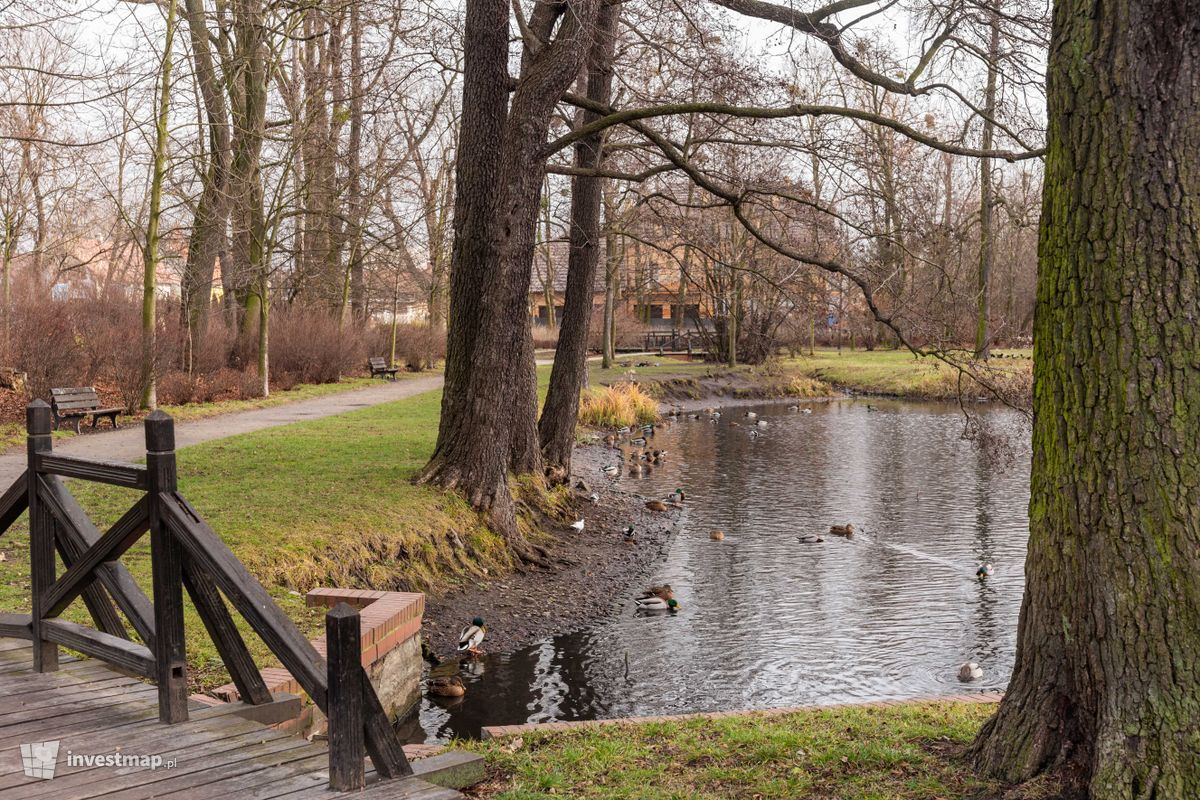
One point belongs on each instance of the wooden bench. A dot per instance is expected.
(75, 405)
(379, 368)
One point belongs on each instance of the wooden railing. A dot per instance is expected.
(185, 555)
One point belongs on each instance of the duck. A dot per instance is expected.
(624, 429)
(842, 530)
(594, 498)
(657, 505)
(638, 442)
(611, 440)
(611, 470)
(809, 538)
(970, 671)
(472, 636)
(871, 407)
(762, 423)
(664, 592)
(754, 434)
(793, 409)
(807, 411)
(656, 604)
(751, 415)
(717, 536)
(628, 536)
(675, 498)
(447, 687)
(985, 570)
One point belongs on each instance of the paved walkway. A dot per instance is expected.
(129, 443)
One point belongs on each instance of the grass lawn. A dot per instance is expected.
(900, 752)
(899, 373)
(324, 502)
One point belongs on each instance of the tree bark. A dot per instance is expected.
(987, 199)
(488, 422)
(1107, 678)
(556, 428)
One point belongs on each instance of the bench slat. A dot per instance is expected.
(74, 390)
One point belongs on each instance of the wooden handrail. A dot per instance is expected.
(186, 554)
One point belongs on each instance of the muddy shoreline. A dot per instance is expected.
(596, 574)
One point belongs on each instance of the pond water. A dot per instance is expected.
(767, 621)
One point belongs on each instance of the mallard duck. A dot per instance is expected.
(751, 415)
(793, 408)
(638, 442)
(807, 411)
(611, 470)
(754, 434)
(717, 536)
(657, 505)
(656, 604)
(762, 423)
(842, 530)
(577, 524)
(472, 636)
(624, 429)
(664, 592)
(970, 671)
(675, 497)
(809, 538)
(985, 570)
(447, 687)
(628, 536)
(594, 498)
(871, 407)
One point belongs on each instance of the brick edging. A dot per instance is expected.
(497, 731)
(387, 620)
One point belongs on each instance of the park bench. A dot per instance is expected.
(379, 368)
(76, 405)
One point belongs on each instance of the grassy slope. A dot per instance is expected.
(899, 373)
(852, 753)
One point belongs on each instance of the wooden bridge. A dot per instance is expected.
(97, 706)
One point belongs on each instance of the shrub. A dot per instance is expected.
(310, 344)
(617, 406)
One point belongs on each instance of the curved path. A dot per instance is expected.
(128, 443)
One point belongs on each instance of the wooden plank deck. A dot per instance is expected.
(91, 709)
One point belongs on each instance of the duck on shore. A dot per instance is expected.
(472, 636)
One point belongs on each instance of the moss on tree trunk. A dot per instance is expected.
(1107, 678)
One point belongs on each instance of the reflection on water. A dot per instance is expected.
(768, 621)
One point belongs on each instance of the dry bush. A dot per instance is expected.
(617, 406)
(418, 347)
(177, 388)
(312, 346)
(42, 343)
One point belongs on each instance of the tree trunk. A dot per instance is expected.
(556, 428)
(150, 255)
(987, 200)
(488, 422)
(1107, 678)
(211, 221)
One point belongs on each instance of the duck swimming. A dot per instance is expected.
(656, 604)
(970, 671)
(717, 536)
(447, 687)
(985, 570)
(842, 530)
(809, 538)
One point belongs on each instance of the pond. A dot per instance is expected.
(768, 621)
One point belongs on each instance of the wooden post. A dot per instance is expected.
(344, 706)
(170, 656)
(41, 534)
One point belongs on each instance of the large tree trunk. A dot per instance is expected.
(1107, 678)
(211, 222)
(556, 428)
(488, 421)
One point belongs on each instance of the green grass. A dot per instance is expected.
(899, 373)
(901, 752)
(325, 502)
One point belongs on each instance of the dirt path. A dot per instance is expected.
(128, 443)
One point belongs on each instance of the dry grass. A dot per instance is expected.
(617, 406)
